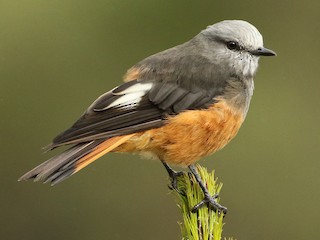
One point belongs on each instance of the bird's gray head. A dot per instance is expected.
(237, 44)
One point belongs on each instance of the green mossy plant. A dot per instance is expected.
(206, 224)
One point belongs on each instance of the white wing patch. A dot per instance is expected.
(130, 96)
(138, 87)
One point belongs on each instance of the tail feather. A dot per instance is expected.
(62, 166)
(103, 148)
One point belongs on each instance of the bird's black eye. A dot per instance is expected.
(232, 45)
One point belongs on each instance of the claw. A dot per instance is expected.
(173, 176)
(174, 180)
(208, 199)
(211, 201)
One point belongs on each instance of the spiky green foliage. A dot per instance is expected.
(206, 224)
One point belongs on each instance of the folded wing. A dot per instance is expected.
(129, 108)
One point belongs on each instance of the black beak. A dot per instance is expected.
(263, 52)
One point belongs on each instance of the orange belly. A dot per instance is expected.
(188, 136)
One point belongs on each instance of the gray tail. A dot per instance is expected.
(61, 166)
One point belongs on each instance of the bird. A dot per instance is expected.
(176, 106)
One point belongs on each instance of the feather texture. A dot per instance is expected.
(132, 107)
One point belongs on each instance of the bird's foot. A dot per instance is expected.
(212, 203)
(174, 180)
(173, 176)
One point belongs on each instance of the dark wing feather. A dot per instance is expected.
(105, 118)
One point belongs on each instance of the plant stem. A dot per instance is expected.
(206, 224)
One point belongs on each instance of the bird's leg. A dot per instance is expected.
(208, 199)
(173, 176)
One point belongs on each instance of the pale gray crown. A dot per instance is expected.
(240, 31)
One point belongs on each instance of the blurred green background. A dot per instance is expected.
(56, 57)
